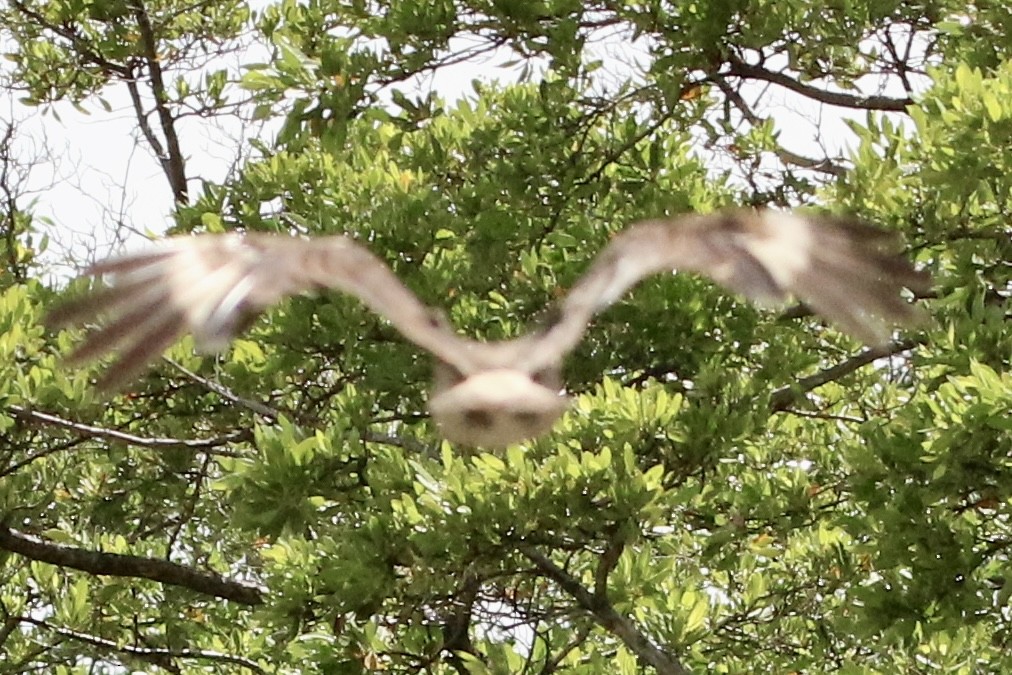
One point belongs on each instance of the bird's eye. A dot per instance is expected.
(477, 417)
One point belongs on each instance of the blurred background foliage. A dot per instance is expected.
(742, 491)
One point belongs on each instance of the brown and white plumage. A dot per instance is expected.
(491, 394)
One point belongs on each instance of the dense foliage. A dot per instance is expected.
(743, 491)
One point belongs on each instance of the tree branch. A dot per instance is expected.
(11, 208)
(9, 624)
(149, 654)
(226, 393)
(119, 565)
(210, 446)
(272, 414)
(172, 159)
(739, 68)
(142, 122)
(609, 558)
(786, 156)
(785, 396)
(457, 629)
(606, 615)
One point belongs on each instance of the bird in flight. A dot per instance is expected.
(499, 393)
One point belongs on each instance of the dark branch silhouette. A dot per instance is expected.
(606, 615)
(739, 68)
(119, 565)
(457, 629)
(171, 158)
(782, 398)
(823, 165)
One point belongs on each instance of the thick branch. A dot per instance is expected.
(142, 122)
(785, 396)
(10, 623)
(609, 558)
(457, 629)
(172, 159)
(149, 654)
(119, 565)
(739, 68)
(606, 615)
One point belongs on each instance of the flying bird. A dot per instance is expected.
(499, 393)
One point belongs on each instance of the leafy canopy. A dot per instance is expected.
(741, 491)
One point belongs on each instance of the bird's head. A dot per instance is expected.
(495, 406)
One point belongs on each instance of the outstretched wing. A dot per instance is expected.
(214, 285)
(847, 271)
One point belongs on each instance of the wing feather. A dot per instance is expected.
(212, 285)
(849, 272)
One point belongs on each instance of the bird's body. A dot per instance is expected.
(495, 408)
(491, 394)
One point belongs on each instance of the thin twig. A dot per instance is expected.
(226, 393)
(149, 654)
(211, 446)
(824, 165)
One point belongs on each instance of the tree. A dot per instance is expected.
(743, 491)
